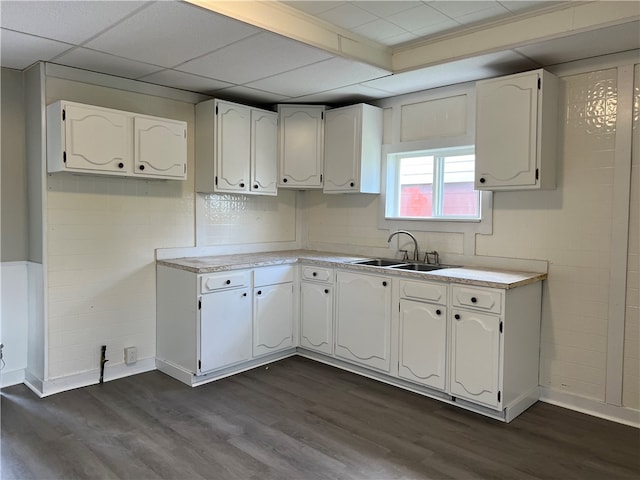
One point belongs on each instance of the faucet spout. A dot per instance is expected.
(415, 242)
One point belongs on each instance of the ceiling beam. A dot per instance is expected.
(292, 23)
(568, 19)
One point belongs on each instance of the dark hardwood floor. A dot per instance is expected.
(295, 419)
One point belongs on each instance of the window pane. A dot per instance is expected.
(459, 196)
(416, 186)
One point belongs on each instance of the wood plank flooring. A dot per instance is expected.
(295, 419)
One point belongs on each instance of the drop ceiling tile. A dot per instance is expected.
(314, 7)
(104, 63)
(185, 81)
(458, 9)
(347, 16)
(18, 50)
(383, 9)
(241, 93)
(518, 6)
(438, 28)
(379, 30)
(326, 75)
(71, 22)
(252, 58)
(151, 36)
(497, 11)
(417, 18)
(398, 39)
(351, 94)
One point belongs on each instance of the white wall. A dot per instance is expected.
(101, 234)
(631, 377)
(14, 324)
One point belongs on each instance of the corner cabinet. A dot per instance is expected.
(363, 319)
(236, 148)
(516, 132)
(352, 149)
(300, 146)
(101, 141)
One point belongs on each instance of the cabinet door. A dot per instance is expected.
(342, 149)
(506, 132)
(423, 336)
(301, 146)
(233, 134)
(225, 329)
(264, 152)
(160, 148)
(363, 319)
(273, 318)
(475, 357)
(96, 140)
(316, 317)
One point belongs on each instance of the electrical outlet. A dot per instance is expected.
(130, 355)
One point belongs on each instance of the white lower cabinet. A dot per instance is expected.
(316, 309)
(225, 329)
(422, 324)
(475, 357)
(363, 319)
(272, 310)
(423, 343)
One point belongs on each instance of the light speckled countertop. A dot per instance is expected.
(470, 276)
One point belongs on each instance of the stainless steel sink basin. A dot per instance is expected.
(420, 267)
(379, 262)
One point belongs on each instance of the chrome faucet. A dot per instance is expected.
(415, 242)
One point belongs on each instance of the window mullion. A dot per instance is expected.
(438, 186)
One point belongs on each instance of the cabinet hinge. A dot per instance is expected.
(64, 114)
(539, 83)
(216, 180)
(320, 178)
(537, 173)
(184, 169)
(199, 364)
(322, 115)
(199, 304)
(500, 327)
(64, 157)
(498, 395)
(216, 109)
(185, 133)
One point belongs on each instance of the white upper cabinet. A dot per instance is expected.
(264, 151)
(236, 149)
(516, 131)
(300, 146)
(87, 139)
(352, 149)
(160, 147)
(233, 152)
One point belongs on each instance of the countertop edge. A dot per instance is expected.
(464, 276)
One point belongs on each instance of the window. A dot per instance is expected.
(432, 184)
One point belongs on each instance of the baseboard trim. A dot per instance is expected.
(614, 413)
(14, 377)
(84, 379)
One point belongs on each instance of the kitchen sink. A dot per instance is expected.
(420, 267)
(379, 262)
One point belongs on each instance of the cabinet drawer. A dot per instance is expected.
(272, 275)
(217, 281)
(319, 274)
(480, 298)
(432, 292)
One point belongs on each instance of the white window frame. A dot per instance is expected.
(484, 225)
(393, 186)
